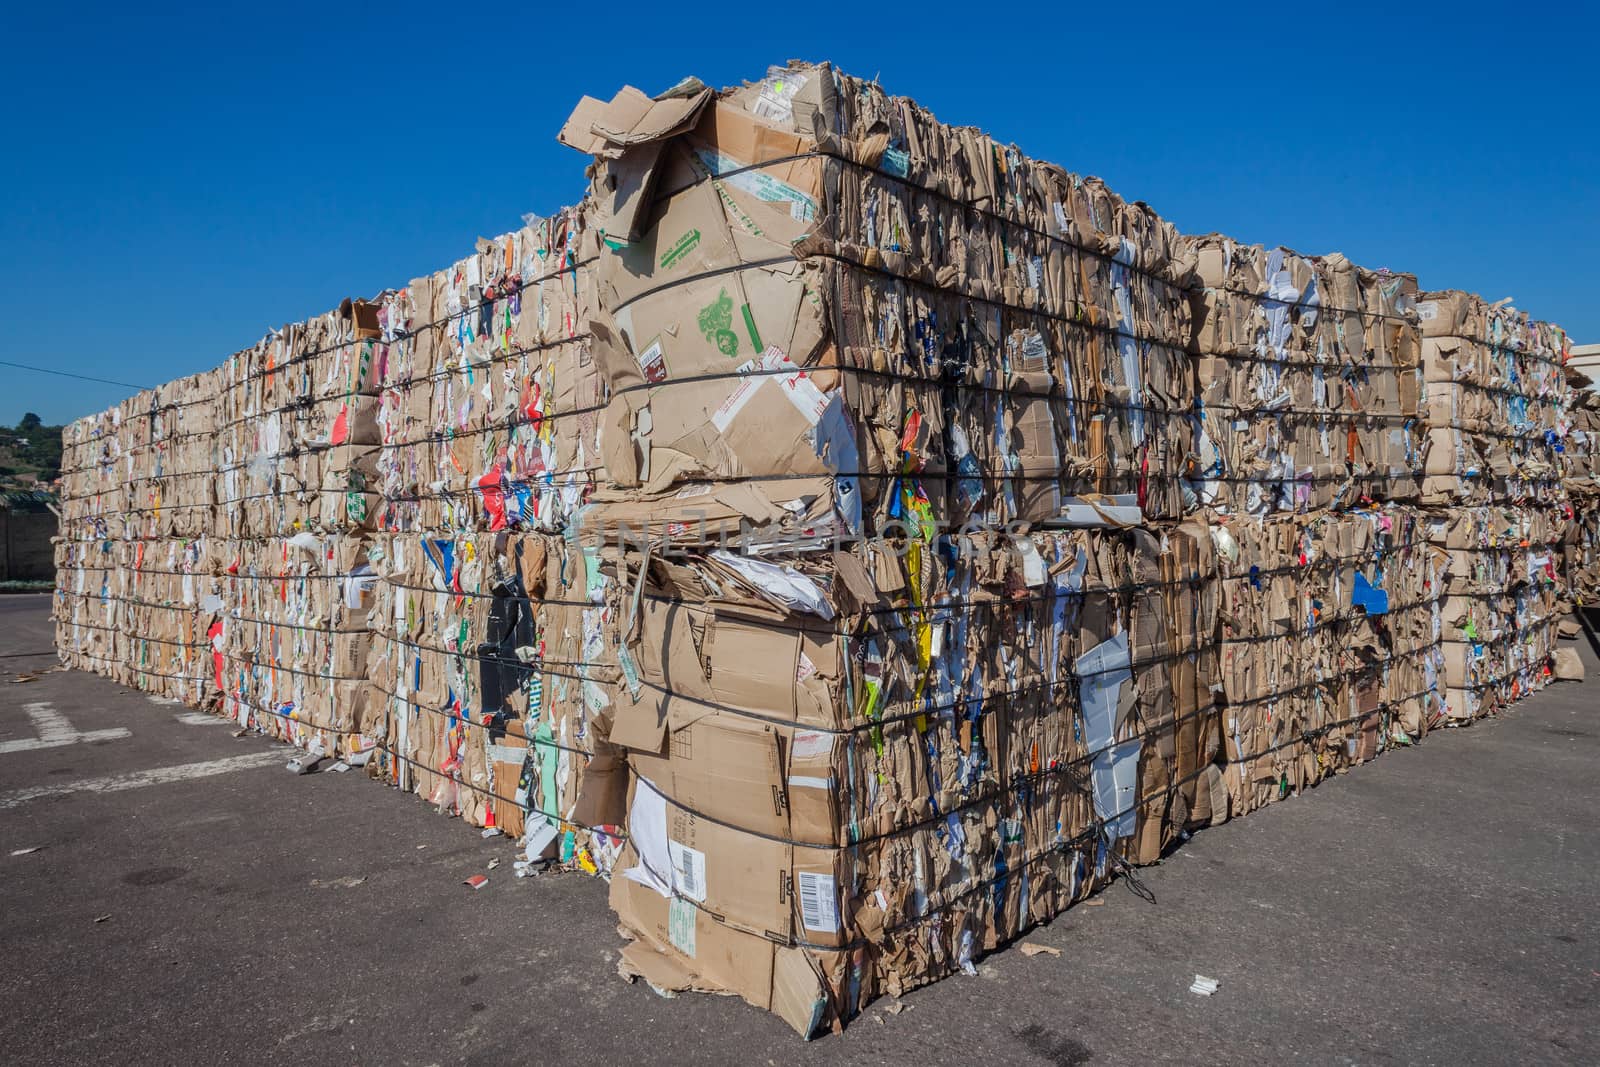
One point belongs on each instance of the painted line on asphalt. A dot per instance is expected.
(117, 783)
(200, 718)
(55, 731)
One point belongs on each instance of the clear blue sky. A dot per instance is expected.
(173, 186)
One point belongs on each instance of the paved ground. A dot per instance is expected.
(1439, 906)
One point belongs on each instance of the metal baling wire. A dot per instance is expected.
(1304, 735)
(1008, 222)
(1321, 415)
(1335, 478)
(408, 333)
(380, 687)
(1293, 568)
(308, 402)
(1001, 605)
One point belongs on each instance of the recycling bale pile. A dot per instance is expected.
(856, 539)
(225, 501)
(915, 647)
(1581, 550)
(1329, 644)
(1496, 401)
(125, 493)
(488, 627)
(1307, 381)
(227, 537)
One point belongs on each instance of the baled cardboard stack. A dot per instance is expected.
(131, 493)
(489, 624)
(1496, 401)
(335, 457)
(863, 749)
(1308, 383)
(1581, 550)
(1309, 445)
(860, 540)
(240, 582)
(1329, 644)
(1496, 396)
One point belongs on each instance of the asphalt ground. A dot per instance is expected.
(1440, 905)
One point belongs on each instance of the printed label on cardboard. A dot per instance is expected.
(652, 363)
(819, 902)
(759, 184)
(688, 871)
(810, 743)
(680, 925)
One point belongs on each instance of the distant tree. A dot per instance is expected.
(30, 423)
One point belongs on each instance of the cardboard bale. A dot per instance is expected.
(1581, 546)
(1328, 652)
(489, 663)
(911, 768)
(1495, 399)
(1503, 602)
(824, 295)
(1308, 380)
(489, 408)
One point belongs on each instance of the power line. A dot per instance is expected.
(69, 374)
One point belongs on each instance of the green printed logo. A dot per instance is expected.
(685, 245)
(716, 322)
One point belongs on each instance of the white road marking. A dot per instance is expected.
(200, 718)
(54, 731)
(116, 783)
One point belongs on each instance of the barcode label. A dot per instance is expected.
(819, 903)
(688, 871)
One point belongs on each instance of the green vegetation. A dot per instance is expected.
(30, 449)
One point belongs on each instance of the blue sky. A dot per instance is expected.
(176, 184)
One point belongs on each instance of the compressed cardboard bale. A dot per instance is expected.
(297, 421)
(1495, 402)
(1413, 676)
(488, 660)
(1327, 649)
(883, 769)
(1307, 380)
(292, 640)
(490, 405)
(1503, 604)
(826, 294)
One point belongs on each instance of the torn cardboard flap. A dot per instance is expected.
(602, 128)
